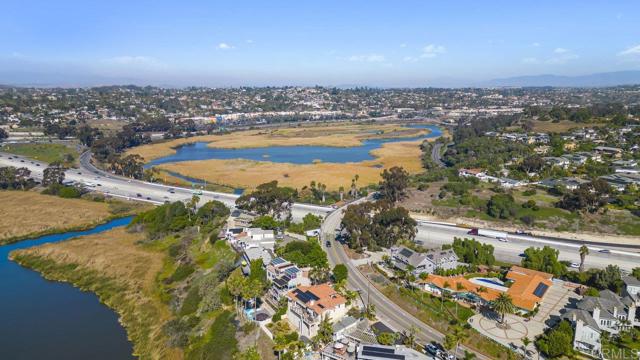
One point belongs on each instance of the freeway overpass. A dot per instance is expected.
(131, 189)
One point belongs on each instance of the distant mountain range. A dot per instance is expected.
(593, 80)
(43, 79)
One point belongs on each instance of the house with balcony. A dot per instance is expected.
(427, 262)
(308, 305)
(284, 277)
(607, 312)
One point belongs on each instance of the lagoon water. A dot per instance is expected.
(290, 154)
(41, 319)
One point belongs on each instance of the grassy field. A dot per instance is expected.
(24, 213)
(249, 174)
(316, 135)
(121, 273)
(29, 214)
(43, 152)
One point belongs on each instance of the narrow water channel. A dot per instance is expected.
(41, 319)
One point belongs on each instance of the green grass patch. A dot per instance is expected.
(207, 259)
(44, 152)
(191, 301)
(219, 343)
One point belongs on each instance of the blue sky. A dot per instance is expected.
(373, 42)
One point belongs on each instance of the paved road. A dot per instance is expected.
(436, 150)
(386, 310)
(118, 186)
(435, 235)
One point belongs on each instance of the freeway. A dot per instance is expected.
(386, 310)
(434, 235)
(131, 189)
(435, 154)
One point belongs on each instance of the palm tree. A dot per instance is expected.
(503, 304)
(341, 190)
(235, 285)
(410, 336)
(584, 251)
(526, 341)
(319, 274)
(459, 335)
(322, 188)
(444, 294)
(370, 311)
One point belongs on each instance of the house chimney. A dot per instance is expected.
(596, 314)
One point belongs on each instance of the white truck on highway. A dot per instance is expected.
(500, 235)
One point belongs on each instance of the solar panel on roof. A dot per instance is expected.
(292, 271)
(379, 349)
(540, 290)
(278, 261)
(406, 252)
(384, 355)
(306, 296)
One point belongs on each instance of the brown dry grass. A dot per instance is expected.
(115, 255)
(559, 127)
(249, 174)
(317, 135)
(25, 212)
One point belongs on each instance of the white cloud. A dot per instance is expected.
(403, 45)
(225, 46)
(563, 56)
(249, 41)
(410, 59)
(535, 44)
(630, 51)
(559, 56)
(432, 50)
(367, 58)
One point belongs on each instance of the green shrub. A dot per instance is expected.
(191, 301)
(182, 272)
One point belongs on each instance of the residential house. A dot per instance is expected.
(576, 159)
(612, 313)
(527, 288)
(508, 183)
(621, 181)
(609, 151)
(404, 258)
(569, 183)
(242, 218)
(587, 333)
(557, 161)
(308, 305)
(624, 163)
(284, 276)
(477, 173)
(607, 312)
